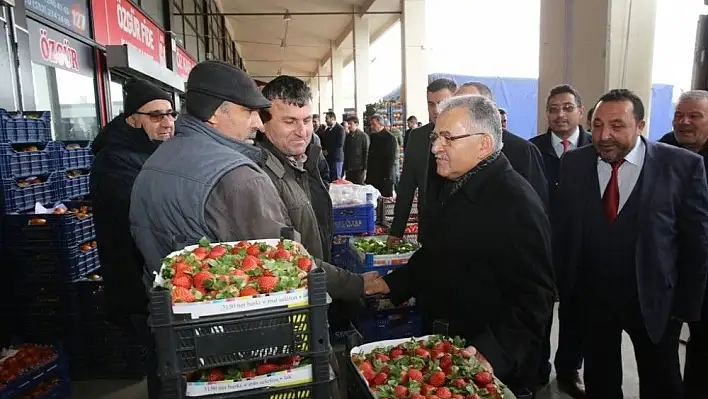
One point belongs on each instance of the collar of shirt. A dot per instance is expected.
(573, 139)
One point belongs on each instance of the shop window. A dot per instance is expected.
(190, 39)
(178, 28)
(154, 9)
(71, 98)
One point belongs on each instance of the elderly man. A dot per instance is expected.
(478, 202)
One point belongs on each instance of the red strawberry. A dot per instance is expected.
(443, 393)
(369, 375)
(383, 357)
(417, 396)
(473, 396)
(249, 291)
(181, 267)
(249, 263)
(241, 275)
(216, 375)
(181, 294)
(253, 250)
(304, 264)
(446, 361)
(460, 383)
(432, 397)
(380, 378)
(483, 378)
(249, 374)
(200, 253)
(267, 368)
(365, 365)
(492, 389)
(217, 252)
(396, 352)
(415, 375)
(420, 352)
(400, 391)
(281, 254)
(267, 283)
(182, 280)
(465, 353)
(437, 379)
(200, 278)
(427, 389)
(447, 345)
(458, 396)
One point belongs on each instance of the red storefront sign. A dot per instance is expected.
(58, 53)
(118, 22)
(184, 62)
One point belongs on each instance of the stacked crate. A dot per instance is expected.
(226, 335)
(384, 217)
(33, 371)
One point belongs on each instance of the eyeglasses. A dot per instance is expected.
(567, 108)
(158, 116)
(446, 138)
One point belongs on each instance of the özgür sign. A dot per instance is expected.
(58, 53)
(135, 26)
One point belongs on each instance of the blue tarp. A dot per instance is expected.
(519, 97)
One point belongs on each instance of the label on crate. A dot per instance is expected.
(296, 376)
(292, 299)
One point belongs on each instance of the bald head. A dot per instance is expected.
(475, 89)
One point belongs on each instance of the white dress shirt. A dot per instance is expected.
(558, 143)
(627, 175)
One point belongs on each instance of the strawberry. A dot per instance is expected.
(181, 294)
(249, 291)
(492, 389)
(447, 345)
(400, 391)
(267, 368)
(460, 383)
(365, 365)
(458, 396)
(415, 375)
(437, 379)
(253, 250)
(304, 264)
(380, 379)
(249, 263)
(216, 375)
(446, 361)
(200, 278)
(396, 353)
(473, 396)
(383, 357)
(427, 389)
(444, 393)
(249, 374)
(240, 275)
(281, 254)
(182, 280)
(369, 375)
(420, 352)
(217, 252)
(267, 283)
(417, 396)
(465, 353)
(432, 397)
(483, 378)
(181, 267)
(200, 253)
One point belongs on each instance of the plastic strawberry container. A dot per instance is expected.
(366, 262)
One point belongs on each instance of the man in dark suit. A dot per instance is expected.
(416, 164)
(502, 291)
(333, 139)
(691, 132)
(523, 156)
(564, 112)
(630, 223)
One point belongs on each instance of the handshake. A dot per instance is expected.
(374, 284)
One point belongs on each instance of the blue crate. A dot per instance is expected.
(31, 379)
(72, 187)
(395, 323)
(358, 219)
(66, 264)
(64, 230)
(16, 163)
(367, 262)
(18, 199)
(72, 159)
(25, 127)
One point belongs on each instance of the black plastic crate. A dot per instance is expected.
(104, 351)
(400, 322)
(45, 296)
(65, 264)
(322, 376)
(72, 155)
(25, 127)
(73, 187)
(53, 230)
(185, 345)
(25, 160)
(17, 199)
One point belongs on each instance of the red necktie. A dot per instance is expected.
(611, 197)
(566, 145)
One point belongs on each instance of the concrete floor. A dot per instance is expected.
(116, 389)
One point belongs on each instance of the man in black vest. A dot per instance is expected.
(564, 112)
(630, 257)
(691, 132)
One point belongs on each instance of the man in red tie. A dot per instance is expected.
(630, 246)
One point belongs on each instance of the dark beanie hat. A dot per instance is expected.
(139, 92)
(212, 82)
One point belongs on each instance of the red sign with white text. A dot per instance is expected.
(184, 63)
(118, 22)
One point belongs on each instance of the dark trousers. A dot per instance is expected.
(356, 176)
(144, 333)
(335, 169)
(569, 355)
(657, 364)
(696, 369)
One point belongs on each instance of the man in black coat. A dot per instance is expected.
(564, 112)
(630, 223)
(333, 141)
(523, 156)
(691, 132)
(121, 149)
(356, 152)
(490, 246)
(383, 151)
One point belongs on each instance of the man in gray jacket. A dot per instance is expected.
(206, 182)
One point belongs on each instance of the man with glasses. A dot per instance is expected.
(488, 229)
(121, 149)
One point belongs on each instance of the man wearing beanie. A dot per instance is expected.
(206, 182)
(121, 149)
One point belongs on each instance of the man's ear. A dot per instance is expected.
(132, 121)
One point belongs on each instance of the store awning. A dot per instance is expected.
(130, 61)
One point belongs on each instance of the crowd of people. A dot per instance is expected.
(610, 224)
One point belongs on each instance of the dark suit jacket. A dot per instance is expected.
(334, 142)
(527, 161)
(671, 250)
(551, 162)
(500, 298)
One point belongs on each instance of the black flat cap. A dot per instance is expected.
(212, 82)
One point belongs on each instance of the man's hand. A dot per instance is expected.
(374, 284)
(485, 363)
(393, 241)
